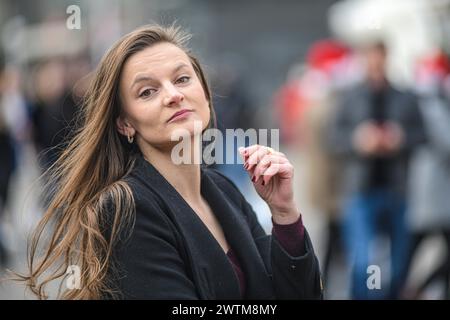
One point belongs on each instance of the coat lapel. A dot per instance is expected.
(211, 268)
(240, 239)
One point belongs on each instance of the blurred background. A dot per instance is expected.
(359, 89)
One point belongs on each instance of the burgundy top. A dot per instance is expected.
(291, 238)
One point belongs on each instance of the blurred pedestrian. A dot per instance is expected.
(54, 110)
(375, 130)
(327, 73)
(429, 185)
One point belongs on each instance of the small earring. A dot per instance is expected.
(130, 138)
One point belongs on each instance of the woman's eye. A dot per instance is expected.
(146, 93)
(183, 79)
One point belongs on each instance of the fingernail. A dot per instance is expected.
(241, 150)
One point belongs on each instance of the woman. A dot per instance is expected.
(139, 226)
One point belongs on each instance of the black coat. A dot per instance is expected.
(171, 254)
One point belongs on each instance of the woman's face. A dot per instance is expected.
(160, 93)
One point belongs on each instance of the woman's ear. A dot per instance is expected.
(124, 127)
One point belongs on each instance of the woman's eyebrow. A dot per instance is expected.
(142, 77)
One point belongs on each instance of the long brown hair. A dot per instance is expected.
(88, 178)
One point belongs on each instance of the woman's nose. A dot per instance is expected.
(173, 96)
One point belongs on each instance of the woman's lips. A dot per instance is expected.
(182, 114)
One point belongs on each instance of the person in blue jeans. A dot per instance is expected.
(367, 215)
(375, 129)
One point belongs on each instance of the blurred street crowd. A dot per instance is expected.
(377, 159)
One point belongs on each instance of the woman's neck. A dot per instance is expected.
(185, 178)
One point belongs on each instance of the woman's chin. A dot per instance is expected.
(187, 128)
